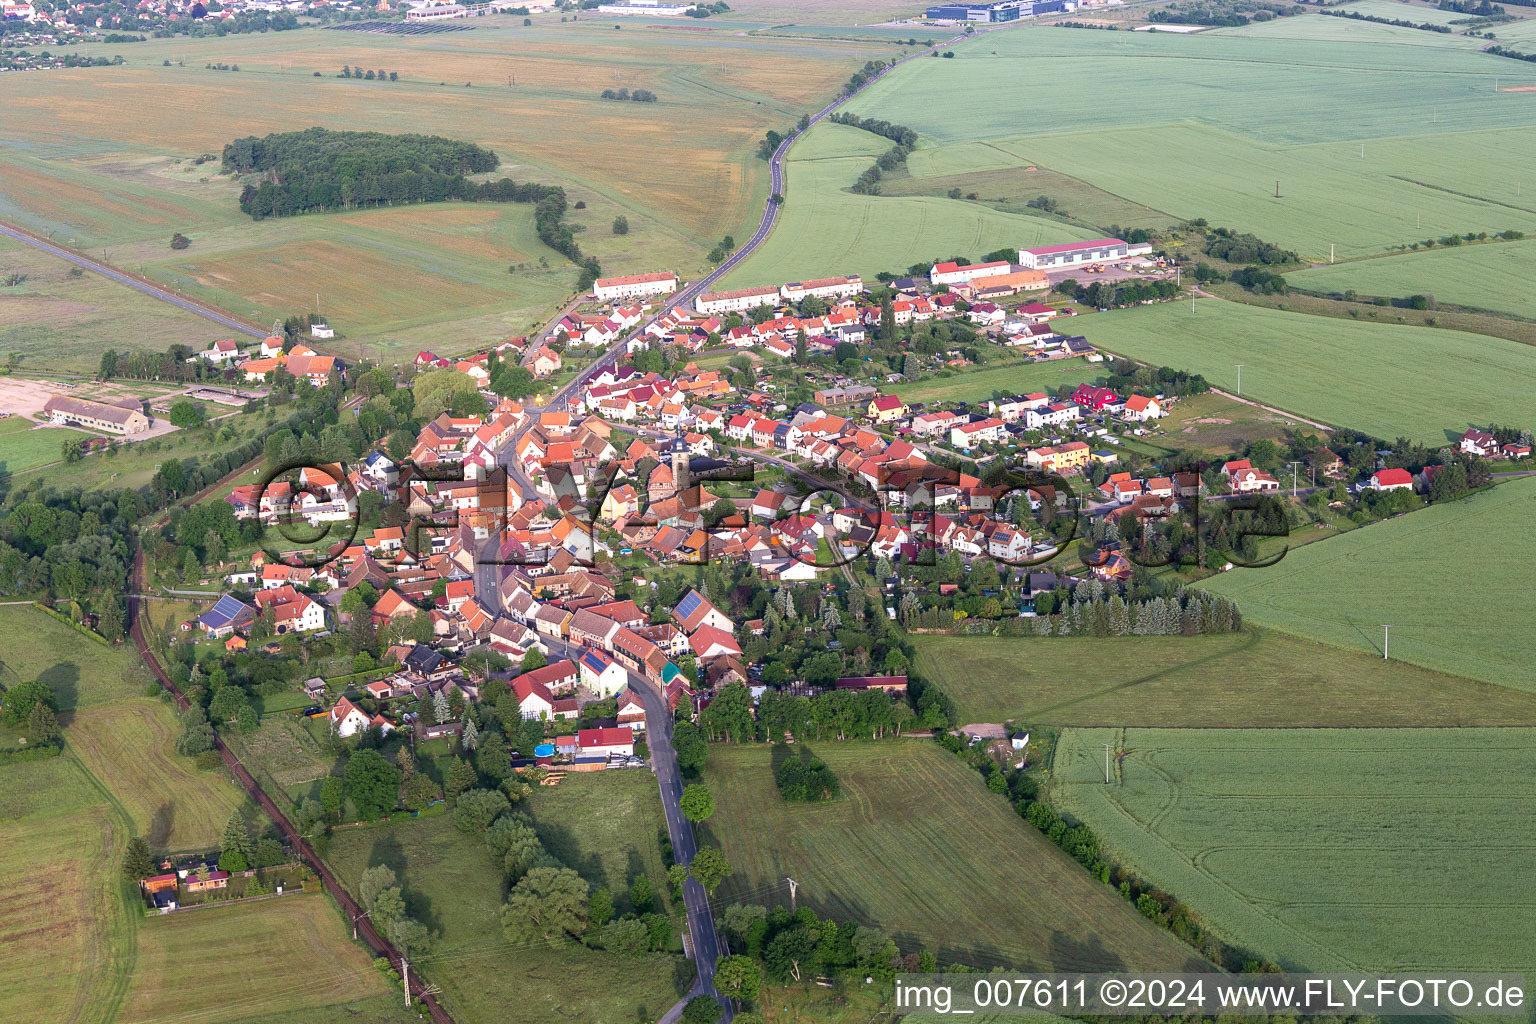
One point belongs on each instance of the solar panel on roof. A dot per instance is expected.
(690, 603)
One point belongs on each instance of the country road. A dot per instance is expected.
(133, 281)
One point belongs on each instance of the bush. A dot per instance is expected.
(181, 241)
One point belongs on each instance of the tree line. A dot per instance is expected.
(1423, 26)
(905, 138)
(638, 96)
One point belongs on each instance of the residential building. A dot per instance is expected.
(953, 273)
(738, 300)
(634, 286)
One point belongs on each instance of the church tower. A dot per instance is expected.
(679, 461)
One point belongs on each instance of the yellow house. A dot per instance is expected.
(885, 408)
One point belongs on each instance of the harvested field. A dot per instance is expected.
(128, 746)
(270, 957)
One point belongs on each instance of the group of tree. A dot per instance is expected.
(869, 72)
(1223, 13)
(384, 900)
(804, 778)
(790, 948)
(1129, 376)
(1115, 294)
(1423, 26)
(904, 137)
(1235, 247)
(371, 76)
(637, 96)
(32, 706)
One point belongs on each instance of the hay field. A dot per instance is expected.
(1376, 850)
(1203, 125)
(1256, 679)
(916, 846)
(452, 884)
(824, 229)
(1388, 380)
(978, 385)
(127, 745)
(1341, 591)
(59, 322)
(82, 673)
(1492, 276)
(261, 958)
(682, 170)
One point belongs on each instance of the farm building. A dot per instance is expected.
(1073, 254)
(632, 286)
(953, 273)
(1003, 10)
(123, 416)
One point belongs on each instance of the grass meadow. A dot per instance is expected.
(973, 385)
(28, 446)
(1340, 592)
(1217, 425)
(59, 322)
(452, 884)
(1424, 383)
(1489, 276)
(917, 845)
(1373, 850)
(260, 959)
(682, 170)
(825, 229)
(1203, 125)
(83, 673)
(128, 745)
(1255, 679)
(69, 927)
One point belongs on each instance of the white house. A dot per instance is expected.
(601, 674)
(824, 288)
(347, 719)
(633, 286)
(737, 300)
(965, 435)
(1140, 408)
(953, 273)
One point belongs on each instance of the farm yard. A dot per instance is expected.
(917, 843)
(1259, 678)
(1491, 276)
(261, 960)
(1251, 108)
(979, 385)
(1325, 849)
(452, 884)
(123, 186)
(1424, 383)
(1342, 591)
(825, 229)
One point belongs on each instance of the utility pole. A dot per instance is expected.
(1330, 252)
(793, 885)
(1239, 378)
(1386, 640)
(1106, 764)
(405, 980)
(1293, 478)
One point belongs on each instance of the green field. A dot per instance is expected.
(1342, 591)
(1216, 424)
(1258, 678)
(825, 229)
(395, 280)
(918, 846)
(27, 446)
(82, 673)
(1374, 850)
(608, 826)
(1492, 277)
(260, 959)
(69, 925)
(1203, 125)
(452, 884)
(1424, 383)
(973, 385)
(60, 322)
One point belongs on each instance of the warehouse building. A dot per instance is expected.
(953, 273)
(1002, 10)
(123, 416)
(1074, 254)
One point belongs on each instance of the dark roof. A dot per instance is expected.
(423, 659)
(227, 611)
